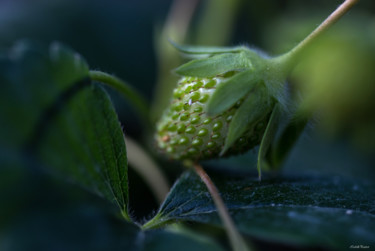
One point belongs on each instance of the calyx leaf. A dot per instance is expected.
(231, 91)
(288, 137)
(268, 138)
(253, 109)
(212, 66)
(208, 50)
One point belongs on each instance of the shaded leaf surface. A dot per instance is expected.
(32, 78)
(85, 143)
(87, 228)
(53, 116)
(41, 213)
(316, 211)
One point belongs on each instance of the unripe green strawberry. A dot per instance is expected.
(228, 100)
(244, 108)
(186, 131)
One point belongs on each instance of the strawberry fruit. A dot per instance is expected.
(187, 131)
(227, 101)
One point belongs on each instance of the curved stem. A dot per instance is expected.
(290, 58)
(237, 243)
(126, 90)
(143, 164)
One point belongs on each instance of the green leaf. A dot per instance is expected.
(32, 78)
(191, 49)
(268, 138)
(54, 117)
(253, 108)
(231, 91)
(87, 228)
(45, 213)
(85, 142)
(129, 93)
(215, 65)
(316, 211)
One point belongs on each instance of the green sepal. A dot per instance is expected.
(268, 138)
(206, 50)
(231, 91)
(287, 140)
(253, 109)
(215, 65)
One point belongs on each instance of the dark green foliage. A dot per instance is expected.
(60, 121)
(314, 211)
(55, 216)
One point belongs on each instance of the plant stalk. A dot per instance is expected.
(291, 58)
(235, 238)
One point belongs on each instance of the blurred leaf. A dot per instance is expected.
(212, 66)
(54, 117)
(231, 91)
(49, 73)
(13, 184)
(336, 79)
(317, 211)
(217, 21)
(87, 228)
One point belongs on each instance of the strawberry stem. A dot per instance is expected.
(127, 91)
(237, 243)
(288, 60)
